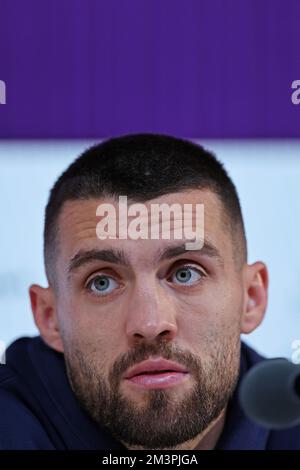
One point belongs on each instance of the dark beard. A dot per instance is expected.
(162, 422)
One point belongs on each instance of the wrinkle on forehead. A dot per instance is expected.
(78, 221)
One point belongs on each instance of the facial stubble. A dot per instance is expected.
(161, 420)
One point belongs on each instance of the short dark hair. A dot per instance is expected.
(142, 167)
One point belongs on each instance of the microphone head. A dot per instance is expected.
(270, 393)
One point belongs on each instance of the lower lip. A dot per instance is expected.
(163, 380)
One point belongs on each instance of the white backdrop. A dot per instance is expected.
(267, 176)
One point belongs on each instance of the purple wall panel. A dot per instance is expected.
(195, 68)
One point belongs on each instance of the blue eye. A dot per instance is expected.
(102, 285)
(187, 276)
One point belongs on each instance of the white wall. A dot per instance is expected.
(267, 176)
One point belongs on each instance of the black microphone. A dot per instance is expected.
(270, 393)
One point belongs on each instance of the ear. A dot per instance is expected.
(256, 296)
(44, 312)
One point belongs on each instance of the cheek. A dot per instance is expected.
(206, 304)
(226, 299)
(89, 324)
(212, 313)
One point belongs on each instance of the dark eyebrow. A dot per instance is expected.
(207, 250)
(118, 257)
(84, 257)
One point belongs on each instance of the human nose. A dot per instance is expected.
(151, 315)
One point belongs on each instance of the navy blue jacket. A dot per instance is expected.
(38, 409)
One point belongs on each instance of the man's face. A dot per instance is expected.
(113, 315)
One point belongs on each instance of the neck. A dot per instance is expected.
(206, 440)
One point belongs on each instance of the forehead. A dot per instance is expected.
(78, 220)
